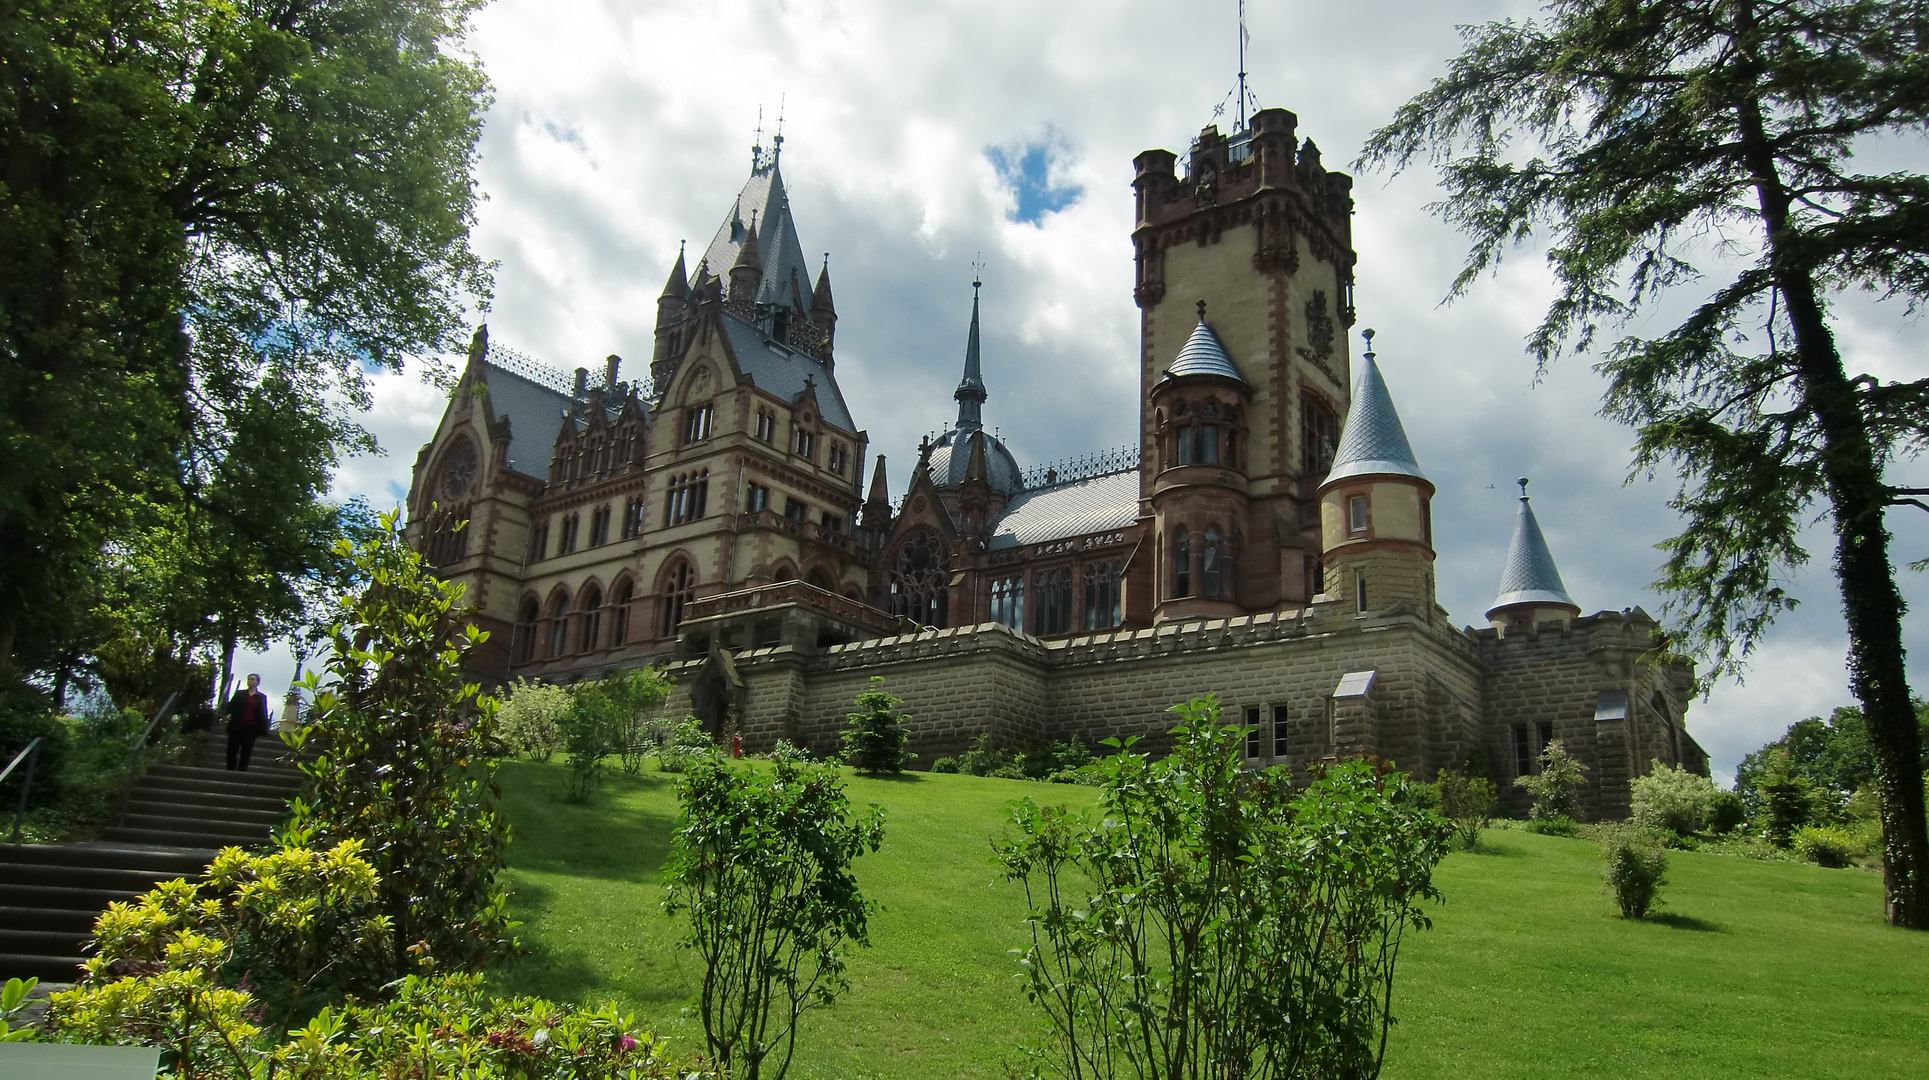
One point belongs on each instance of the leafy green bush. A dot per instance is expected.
(875, 740)
(13, 998)
(984, 757)
(678, 742)
(1672, 798)
(785, 750)
(532, 717)
(405, 764)
(1787, 798)
(610, 717)
(1553, 826)
(1554, 787)
(1232, 925)
(1634, 866)
(945, 765)
(760, 864)
(1826, 846)
(26, 714)
(1726, 812)
(1468, 802)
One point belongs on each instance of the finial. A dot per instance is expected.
(757, 144)
(1523, 488)
(1202, 311)
(777, 141)
(977, 272)
(827, 260)
(1368, 335)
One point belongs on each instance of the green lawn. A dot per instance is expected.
(1751, 969)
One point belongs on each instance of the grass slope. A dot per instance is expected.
(1751, 969)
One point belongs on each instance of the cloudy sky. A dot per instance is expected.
(922, 136)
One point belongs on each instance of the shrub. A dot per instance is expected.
(1212, 888)
(945, 765)
(531, 718)
(405, 763)
(1787, 798)
(677, 742)
(760, 864)
(984, 757)
(1825, 846)
(1725, 813)
(1634, 865)
(1468, 802)
(610, 717)
(1553, 826)
(1553, 788)
(785, 750)
(875, 740)
(1672, 798)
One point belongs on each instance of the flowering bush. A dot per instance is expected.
(1672, 798)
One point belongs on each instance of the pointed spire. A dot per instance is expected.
(1373, 442)
(1203, 355)
(678, 287)
(823, 311)
(971, 390)
(977, 470)
(1530, 576)
(748, 271)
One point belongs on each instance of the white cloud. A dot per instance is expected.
(620, 128)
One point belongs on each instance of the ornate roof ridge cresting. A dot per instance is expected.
(1071, 470)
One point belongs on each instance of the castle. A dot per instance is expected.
(1269, 539)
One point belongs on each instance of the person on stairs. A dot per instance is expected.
(247, 721)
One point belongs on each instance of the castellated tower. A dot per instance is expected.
(1261, 233)
(1376, 507)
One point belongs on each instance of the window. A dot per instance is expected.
(538, 540)
(1280, 731)
(679, 587)
(1182, 562)
(1102, 596)
(766, 429)
(1319, 433)
(1186, 446)
(633, 517)
(599, 526)
(837, 458)
(1357, 519)
(1546, 733)
(806, 443)
(756, 497)
(920, 579)
(1008, 602)
(1523, 753)
(1208, 444)
(1426, 521)
(620, 617)
(833, 523)
(558, 624)
(1359, 591)
(1209, 565)
(591, 606)
(525, 647)
(795, 510)
(688, 498)
(571, 525)
(1252, 733)
(1055, 602)
(696, 422)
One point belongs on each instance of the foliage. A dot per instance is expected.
(1468, 802)
(984, 757)
(1723, 132)
(874, 741)
(1787, 797)
(1554, 787)
(13, 998)
(1234, 926)
(217, 219)
(945, 765)
(609, 717)
(1634, 866)
(1553, 825)
(1061, 762)
(26, 714)
(532, 717)
(1834, 755)
(1725, 812)
(1824, 845)
(406, 765)
(1673, 799)
(785, 750)
(678, 742)
(760, 864)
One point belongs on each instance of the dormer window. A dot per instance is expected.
(696, 422)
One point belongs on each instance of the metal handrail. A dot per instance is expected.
(134, 755)
(31, 752)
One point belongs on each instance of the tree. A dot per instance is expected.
(1671, 798)
(1204, 920)
(209, 209)
(760, 862)
(875, 740)
(1647, 136)
(405, 764)
(1833, 754)
(1468, 802)
(1554, 787)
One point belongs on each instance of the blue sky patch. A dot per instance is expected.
(1025, 169)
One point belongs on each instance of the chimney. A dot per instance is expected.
(611, 363)
(582, 383)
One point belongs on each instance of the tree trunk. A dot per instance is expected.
(1858, 498)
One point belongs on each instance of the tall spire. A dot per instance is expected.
(1373, 442)
(678, 287)
(971, 390)
(1530, 576)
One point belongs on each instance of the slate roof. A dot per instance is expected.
(764, 200)
(1373, 442)
(780, 371)
(951, 456)
(1098, 504)
(1530, 576)
(1203, 355)
(535, 413)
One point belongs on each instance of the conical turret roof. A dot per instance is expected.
(1203, 355)
(1373, 442)
(1530, 576)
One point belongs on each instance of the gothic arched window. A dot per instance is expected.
(920, 578)
(1102, 596)
(679, 587)
(620, 615)
(1055, 602)
(1209, 567)
(1181, 562)
(591, 606)
(558, 623)
(525, 643)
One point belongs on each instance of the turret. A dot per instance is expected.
(971, 389)
(877, 507)
(748, 271)
(1376, 514)
(1199, 492)
(1530, 585)
(822, 311)
(669, 309)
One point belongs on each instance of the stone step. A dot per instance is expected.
(172, 837)
(180, 794)
(83, 877)
(48, 969)
(44, 942)
(63, 896)
(175, 862)
(186, 810)
(211, 782)
(72, 920)
(221, 833)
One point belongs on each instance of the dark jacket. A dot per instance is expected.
(238, 713)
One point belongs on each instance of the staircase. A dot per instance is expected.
(176, 818)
